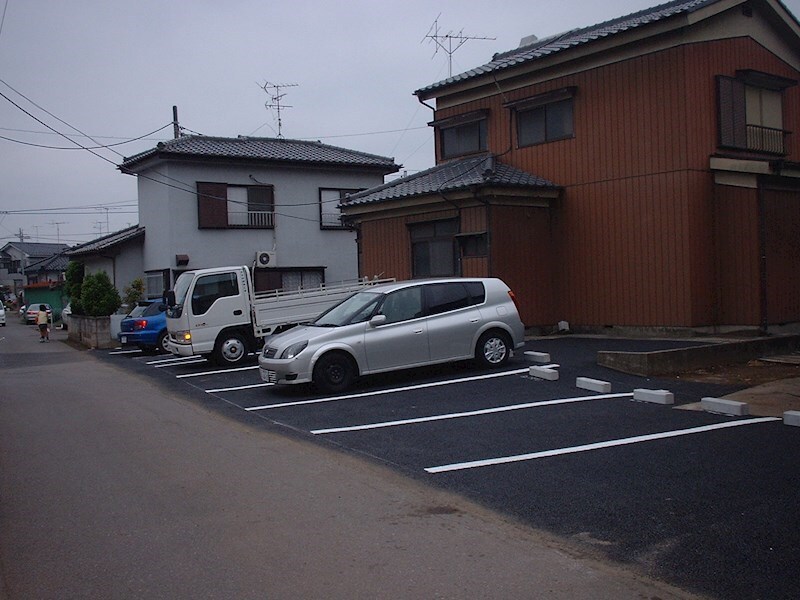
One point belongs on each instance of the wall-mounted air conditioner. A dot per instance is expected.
(266, 258)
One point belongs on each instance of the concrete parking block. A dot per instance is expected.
(593, 385)
(725, 407)
(537, 357)
(654, 396)
(792, 417)
(543, 373)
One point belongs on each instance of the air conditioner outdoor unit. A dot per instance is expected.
(266, 258)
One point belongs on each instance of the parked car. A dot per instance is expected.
(66, 313)
(2, 315)
(32, 312)
(397, 326)
(145, 327)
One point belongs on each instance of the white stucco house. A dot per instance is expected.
(215, 201)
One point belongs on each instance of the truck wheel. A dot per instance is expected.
(334, 372)
(231, 349)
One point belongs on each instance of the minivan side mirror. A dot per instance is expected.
(169, 298)
(377, 320)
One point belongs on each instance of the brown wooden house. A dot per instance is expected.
(642, 172)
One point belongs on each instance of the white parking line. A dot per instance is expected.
(596, 446)
(390, 391)
(471, 413)
(173, 359)
(240, 387)
(137, 351)
(178, 363)
(215, 372)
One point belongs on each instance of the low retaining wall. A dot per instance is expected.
(93, 332)
(668, 362)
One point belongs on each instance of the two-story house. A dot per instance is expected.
(17, 259)
(641, 172)
(215, 201)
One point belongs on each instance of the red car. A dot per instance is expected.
(33, 311)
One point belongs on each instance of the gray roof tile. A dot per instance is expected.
(37, 250)
(458, 174)
(261, 149)
(576, 37)
(107, 241)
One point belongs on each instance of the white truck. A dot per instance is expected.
(218, 314)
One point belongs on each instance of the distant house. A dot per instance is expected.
(214, 201)
(641, 172)
(119, 254)
(17, 258)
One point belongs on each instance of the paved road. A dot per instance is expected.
(113, 486)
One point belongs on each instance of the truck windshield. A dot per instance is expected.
(182, 286)
(355, 309)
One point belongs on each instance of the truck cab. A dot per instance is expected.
(210, 315)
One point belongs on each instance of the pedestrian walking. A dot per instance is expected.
(44, 325)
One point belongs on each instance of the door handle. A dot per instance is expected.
(237, 312)
(418, 330)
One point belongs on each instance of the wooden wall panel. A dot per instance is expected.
(782, 218)
(736, 225)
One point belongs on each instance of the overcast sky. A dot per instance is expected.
(114, 69)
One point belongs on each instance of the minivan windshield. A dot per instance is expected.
(355, 309)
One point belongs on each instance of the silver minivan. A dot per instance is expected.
(398, 326)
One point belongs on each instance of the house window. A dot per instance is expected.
(473, 244)
(330, 215)
(463, 139)
(751, 112)
(544, 118)
(290, 280)
(220, 206)
(433, 248)
(156, 282)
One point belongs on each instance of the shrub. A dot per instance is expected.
(98, 295)
(73, 279)
(133, 293)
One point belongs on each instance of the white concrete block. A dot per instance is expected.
(725, 407)
(537, 357)
(792, 417)
(593, 385)
(654, 396)
(543, 373)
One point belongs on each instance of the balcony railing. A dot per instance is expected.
(257, 219)
(767, 139)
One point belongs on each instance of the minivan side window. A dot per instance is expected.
(444, 297)
(476, 291)
(402, 305)
(210, 287)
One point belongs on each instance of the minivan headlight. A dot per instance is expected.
(294, 349)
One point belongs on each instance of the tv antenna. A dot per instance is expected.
(275, 94)
(449, 42)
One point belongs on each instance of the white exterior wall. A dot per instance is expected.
(122, 269)
(169, 216)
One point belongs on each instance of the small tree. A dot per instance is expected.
(133, 293)
(73, 280)
(98, 296)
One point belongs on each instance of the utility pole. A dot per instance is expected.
(449, 42)
(176, 129)
(22, 237)
(273, 90)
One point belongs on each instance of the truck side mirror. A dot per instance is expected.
(169, 298)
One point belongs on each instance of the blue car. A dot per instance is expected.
(145, 327)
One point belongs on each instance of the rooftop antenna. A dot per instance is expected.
(273, 90)
(58, 230)
(449, 42)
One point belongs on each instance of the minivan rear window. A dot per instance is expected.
(444, 297)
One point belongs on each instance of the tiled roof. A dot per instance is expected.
(261, 149)
(570, 39)
(57, 262)
(107, 241)
(459, 174)
(36, 249)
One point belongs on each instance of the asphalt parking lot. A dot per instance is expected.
(706, 502)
